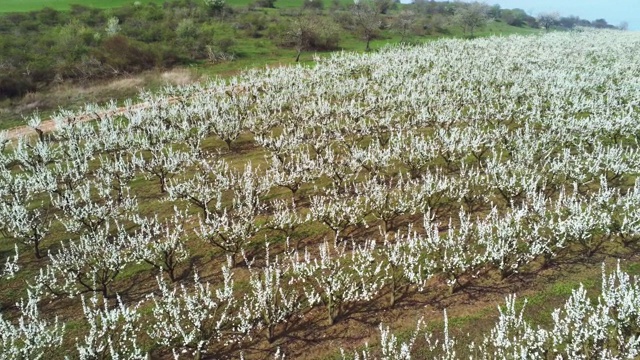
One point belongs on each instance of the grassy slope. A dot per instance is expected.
(31, 5)
(251, 53)
(8, 6)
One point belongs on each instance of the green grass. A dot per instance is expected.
(32, 5)
(8, 6)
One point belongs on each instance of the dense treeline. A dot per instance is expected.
(45, 47)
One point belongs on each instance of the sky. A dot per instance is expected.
(614, 11)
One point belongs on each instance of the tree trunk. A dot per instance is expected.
(171, 273)
(332, 318)
(332, 311)
(506, 272)
(234, 262)
(388, 225)
(36, 246)
(163, 184)
(548, 260)
(270, 331)
(298, 55)
(294, 188)
(392, 301)
(40, 134)
(455, 286)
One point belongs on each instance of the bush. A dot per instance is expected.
(326, 36)
(345, 20)
(253, 23)
(309, 33)
(124, 55)
(214, 6)
(49, 17)
(167, 56)
(514, 17)
(383, 6)
(313, 5)
(12, 86)
(265, 3)
(88, 16)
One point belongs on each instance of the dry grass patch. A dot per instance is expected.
(75, 95)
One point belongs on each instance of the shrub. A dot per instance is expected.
(309, 34)
(253, 23)
(12, 86)
(124, 55)
(265, 3)
(313, 5)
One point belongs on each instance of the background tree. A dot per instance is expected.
(298, 33)
(367, 21)
(494, 12)
(215, 7)
(383, 6)
(405, 24)
(548, 20)
(569, 22)
(308, 32)
(313, 5)
(266, 3)
(515, 17)
(601, 24)
(472, 17)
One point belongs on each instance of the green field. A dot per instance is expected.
(31, 5)
(9, 6)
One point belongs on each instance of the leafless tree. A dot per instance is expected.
(310, 32)
(472, 17)
(624, 26)
(298, 34)
(404, 24)
(548, 20)
(367, 20)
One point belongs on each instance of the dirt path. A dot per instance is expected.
(21, 131)
(49, 125)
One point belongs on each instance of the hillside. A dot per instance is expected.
(52, 58)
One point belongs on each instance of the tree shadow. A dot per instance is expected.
(364, 312)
